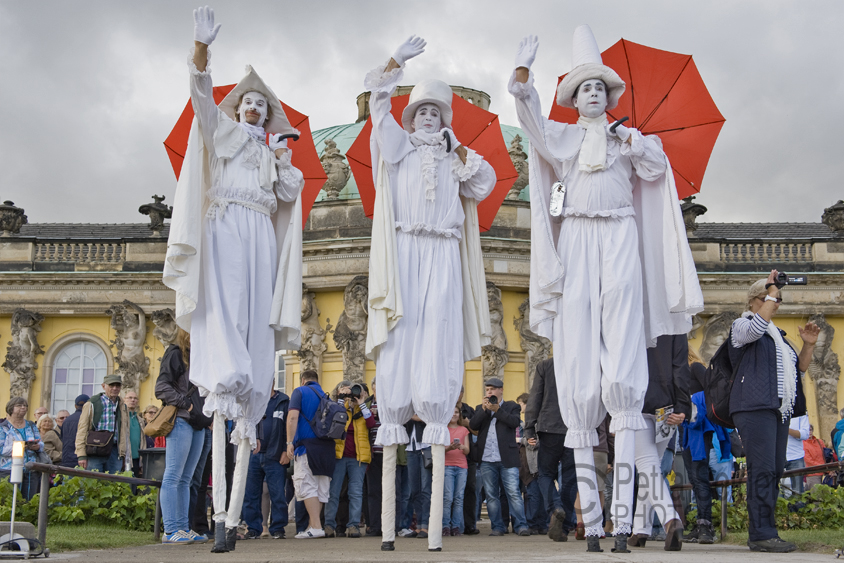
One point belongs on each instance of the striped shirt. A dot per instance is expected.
(747, 330)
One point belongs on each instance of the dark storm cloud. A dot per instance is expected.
(91, 89)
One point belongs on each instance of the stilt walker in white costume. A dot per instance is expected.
(428, 310)
(611, 268)
(234, 258)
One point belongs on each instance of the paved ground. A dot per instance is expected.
(467, 548)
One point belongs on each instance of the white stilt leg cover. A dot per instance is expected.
(388, 494)
(654, 494)
(218, 467)
(587, 486)
(435, 519)
(241, 466)
(623, 479)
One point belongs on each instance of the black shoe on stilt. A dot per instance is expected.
(593, 544)
(219, 539)
(388, 546)
(621, 543)
(231, 538)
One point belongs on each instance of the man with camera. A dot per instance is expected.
(353, 457)
(496, 421)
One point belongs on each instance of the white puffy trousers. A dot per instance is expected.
(435, 531)
(654, 494)
(388, 494)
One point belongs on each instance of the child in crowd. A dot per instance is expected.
(456, 469)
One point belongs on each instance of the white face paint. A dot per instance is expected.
(253, 108)
(591, 99)
(427, 118)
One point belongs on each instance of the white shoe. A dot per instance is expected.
(311, 533)
(406, 533)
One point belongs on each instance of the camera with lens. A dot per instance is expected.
(354, 392)
(493, 400)
(784, 279)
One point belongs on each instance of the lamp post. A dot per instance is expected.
(16, 478)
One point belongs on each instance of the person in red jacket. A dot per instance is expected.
(813, 455)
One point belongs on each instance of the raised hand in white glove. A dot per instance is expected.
(413, 47)
(526, 53)
(452, 138)
(276, 142)
(204, 30)
(622, 133)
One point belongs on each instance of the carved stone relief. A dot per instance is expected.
(494, 356)
(165, 326)
(520, 162)
(691, 211)
(350, 334)
(535, 347)
(313, 335)
(825, 370)
(157, 213)
(715, 332)
(11, 219)
(833, 217)
(335, 166)
(130, 326)
(22, 350)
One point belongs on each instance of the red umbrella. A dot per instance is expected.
(305, 156)
(667, 97)
(474, 127)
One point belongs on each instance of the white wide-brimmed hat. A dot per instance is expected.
(428, 92)
(587, 65)
(277, 123)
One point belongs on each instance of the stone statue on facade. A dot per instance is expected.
(11, 219)
(494, 355)
(691, 211)
(520, 162)
(833, 217)
(335, 166)
(20, 355)
(715, 332)
(130, 326)
(824, 371)
(313, 335)
(350, 334)
(165, 326)
(535, 347)
(157, 213)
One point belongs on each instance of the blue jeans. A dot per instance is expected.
(454, 487)
(110, 464)
(356, 472)
(494, 475)
(420, 488)
(196, 481)
(796, 484)
(262, 467)
(184, 446)
(537, 517)
(402, 498)
(721, 471)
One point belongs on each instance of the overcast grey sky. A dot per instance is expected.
(90, 90)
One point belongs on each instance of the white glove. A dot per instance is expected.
(526, 53)
(414, 46)
(204, 30)
(454, 142)
(276, 142)
(622, 133)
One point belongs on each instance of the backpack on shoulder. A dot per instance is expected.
(718, 384)
(330, 418)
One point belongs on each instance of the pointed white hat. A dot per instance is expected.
(428, 91)
(277, 123)
(587, 64)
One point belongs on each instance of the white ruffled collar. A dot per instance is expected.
(255, 131)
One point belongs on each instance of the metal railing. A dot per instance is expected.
(725, 484)
(43, 501)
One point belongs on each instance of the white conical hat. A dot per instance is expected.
(277, 123)
(428, 91)
(587, 64)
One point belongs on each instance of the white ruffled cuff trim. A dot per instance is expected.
(391, 434)
(244, 429)
(192, 67)
(520, 90)
(378, 80)
(595, 531)
(436, 434)
(609, 213)
(636, 146)
(581, 438)
(627, 420)
(622, 529)
(465, 171)
(224, 403)
(284, 161)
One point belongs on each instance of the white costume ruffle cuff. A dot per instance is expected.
(436, 434)
(192, 67)
(636, 146)
(226, 404)
(390, 434)
(244, 429)
(627, 420)
(520, 89)
(377, 80)
(465, 171)
(581, 439)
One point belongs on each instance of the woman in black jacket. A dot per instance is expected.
(668, 389)
(184, 444)
(767, 391)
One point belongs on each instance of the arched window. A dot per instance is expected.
(79, 368)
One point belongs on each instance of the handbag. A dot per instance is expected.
(163, 422)
(427, 458)
(99, 443)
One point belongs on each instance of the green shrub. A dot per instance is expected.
(820, 508)
(75, 501)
